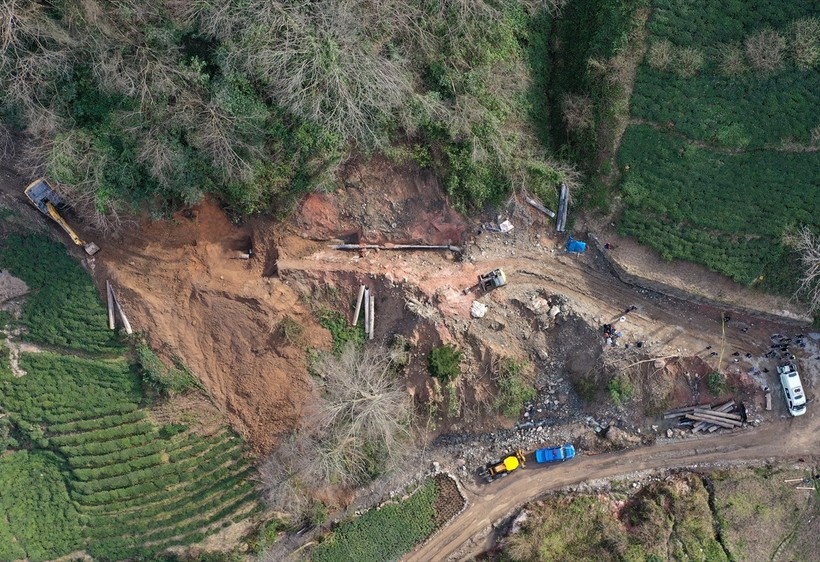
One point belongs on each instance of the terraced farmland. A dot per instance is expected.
(94, 472)
(721, 156)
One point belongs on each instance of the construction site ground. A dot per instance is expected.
(183, 282)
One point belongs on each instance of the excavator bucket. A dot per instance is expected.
(91, 248)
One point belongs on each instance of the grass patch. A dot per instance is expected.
(514, 387)
(341, 330)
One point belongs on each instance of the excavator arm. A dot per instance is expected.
(90, 248)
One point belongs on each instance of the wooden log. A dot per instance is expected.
(358, 305)
(677, 412)
(372, 314)
(718, 414)
(708, 417)
(728, 424)
(725, 407)
(712, 428)
(366, 311)
(540, 207)
(768, 401)
(125, 323)
(110, 296)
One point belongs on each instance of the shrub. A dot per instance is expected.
(514, 390)
(688, 62)
(660, 54)
(341, 330)
(620, 389)
(716, 383)
(444, 363)
(765, 50)
(165, 379)
(732, 60)
(805, 42)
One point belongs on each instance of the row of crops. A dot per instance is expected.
(382, 534)
(90, 469)
(720, 170)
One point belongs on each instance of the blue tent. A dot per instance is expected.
(577, 246)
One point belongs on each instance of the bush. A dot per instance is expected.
(732, 60)
(514, 390)
(444, 363)
(620, 389)
(688, 61)
(716, 383)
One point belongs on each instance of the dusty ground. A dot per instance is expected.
(182, 282)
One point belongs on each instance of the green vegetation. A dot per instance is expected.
(63, 309)
(726, 211)
(383, 534)
(588, 528)
(165, 379)
(716, 383)
(514, 388)
(444, 363)
(758, 513)
(341, 330)
(157, 105)
(39, 521)
(85, 462)
(724, 166)
(620, 389)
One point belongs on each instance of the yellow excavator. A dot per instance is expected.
(47, 200)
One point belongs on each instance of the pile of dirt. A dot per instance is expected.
(183, 282)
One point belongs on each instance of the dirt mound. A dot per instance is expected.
(184, 283)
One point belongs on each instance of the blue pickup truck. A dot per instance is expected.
(555, 454)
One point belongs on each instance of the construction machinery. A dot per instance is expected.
(487, 281)
(499, 468)
(47, 200)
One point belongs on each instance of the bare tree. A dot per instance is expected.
(362, 417)
(363, 400)
(766, 50)
(807, 245)
(805, 42)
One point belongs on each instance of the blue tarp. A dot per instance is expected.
(574, 245)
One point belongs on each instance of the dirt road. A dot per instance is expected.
(783, 440)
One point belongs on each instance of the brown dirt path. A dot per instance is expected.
(783, 440)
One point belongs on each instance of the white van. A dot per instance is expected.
(793, 389)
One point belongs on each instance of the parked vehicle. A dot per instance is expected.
(792, 388)
(555, 454)
(501, 467)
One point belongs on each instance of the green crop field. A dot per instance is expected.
(383, 534)
(87, 462)
(721, 156)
